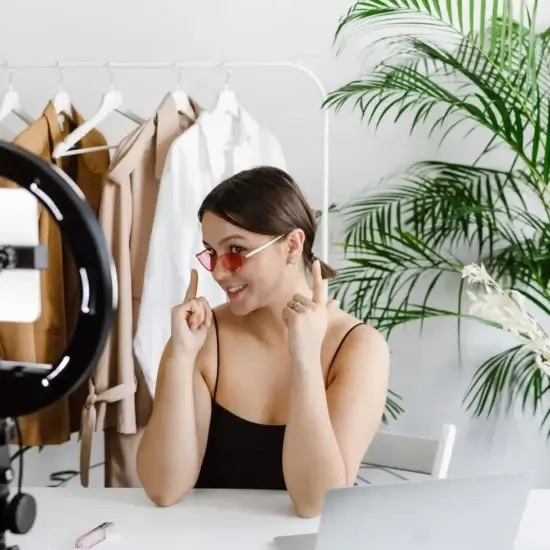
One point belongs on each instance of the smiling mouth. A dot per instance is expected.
(235, 291)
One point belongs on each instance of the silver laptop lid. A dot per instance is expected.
(478, 513)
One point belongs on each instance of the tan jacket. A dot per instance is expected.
(45, 340)
(126, 216)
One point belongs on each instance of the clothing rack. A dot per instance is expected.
(228, 66)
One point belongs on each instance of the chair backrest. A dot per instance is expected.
(413, 454)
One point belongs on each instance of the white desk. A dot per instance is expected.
(205, 520)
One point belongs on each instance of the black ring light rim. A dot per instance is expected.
(22, 395)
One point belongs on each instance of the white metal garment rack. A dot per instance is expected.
(60, 66)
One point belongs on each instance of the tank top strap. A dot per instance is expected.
(341, 344)
(216, 328)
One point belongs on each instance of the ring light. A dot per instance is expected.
(24, 389)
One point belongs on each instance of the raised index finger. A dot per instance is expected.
(319, 293)
(191, 293)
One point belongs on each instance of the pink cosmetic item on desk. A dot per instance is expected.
(95, 536)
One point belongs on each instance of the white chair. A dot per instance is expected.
(418, 455)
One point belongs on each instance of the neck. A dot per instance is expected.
(267, 321)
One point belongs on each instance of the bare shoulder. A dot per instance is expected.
(223, 313)
(362, 345)
(341, 323)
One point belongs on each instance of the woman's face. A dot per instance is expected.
(261, 276)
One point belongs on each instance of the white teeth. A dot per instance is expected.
(237, 288)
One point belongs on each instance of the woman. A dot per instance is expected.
(275, 389)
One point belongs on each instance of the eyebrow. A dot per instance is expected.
(228, 238)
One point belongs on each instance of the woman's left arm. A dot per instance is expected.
(329, 431)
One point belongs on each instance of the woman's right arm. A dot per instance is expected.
(171, 451)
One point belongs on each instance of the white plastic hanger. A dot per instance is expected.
(111, 102)
(227, 101)
(12, 103)
(62, 102)
(181, 99)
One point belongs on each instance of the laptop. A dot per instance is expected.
(477, 513)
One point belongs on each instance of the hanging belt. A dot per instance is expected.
(89, 421)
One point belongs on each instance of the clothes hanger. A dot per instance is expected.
(11, 103)
(62, 102)
(181, 99)
(111, 102)
(227, 101)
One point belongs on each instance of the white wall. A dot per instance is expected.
(425, 370)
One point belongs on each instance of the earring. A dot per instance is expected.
(291, 260)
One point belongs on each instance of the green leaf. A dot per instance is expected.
(505, 379)
(402, 241)
(393, 407)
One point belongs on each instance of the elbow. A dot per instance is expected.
(158, 488)
(309, 510)
(310, 505)
(307, 506)
(159, 492)
(163, 499)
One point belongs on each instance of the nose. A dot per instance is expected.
(220, 273)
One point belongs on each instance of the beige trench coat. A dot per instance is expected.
(119, 401)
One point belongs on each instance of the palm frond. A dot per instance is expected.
(386, 320)
(383, 277)
(446, 204)
(502, 86)
(524, 263)
(502, 103)
(456, 19)
(398, 242)
(505, 379)
(524, 259)
(402, 241)
(393, 407)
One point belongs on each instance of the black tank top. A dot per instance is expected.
(241, 454)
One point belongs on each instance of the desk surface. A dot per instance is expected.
(206, 519)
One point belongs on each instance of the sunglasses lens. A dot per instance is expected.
(207, 260)
(232, 261)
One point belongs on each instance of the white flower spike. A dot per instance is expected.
(507, 309)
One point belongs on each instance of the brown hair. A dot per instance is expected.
(267, 201)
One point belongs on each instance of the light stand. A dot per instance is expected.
(26, 388)
(17, 515)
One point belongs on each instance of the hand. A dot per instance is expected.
(306, 321)
(191, 320)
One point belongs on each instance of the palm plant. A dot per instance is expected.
(451, 65)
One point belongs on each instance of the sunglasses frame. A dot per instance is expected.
(243, 256)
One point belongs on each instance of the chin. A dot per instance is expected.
(243, 305)
(240, 307)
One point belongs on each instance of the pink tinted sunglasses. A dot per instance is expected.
(232, 261)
